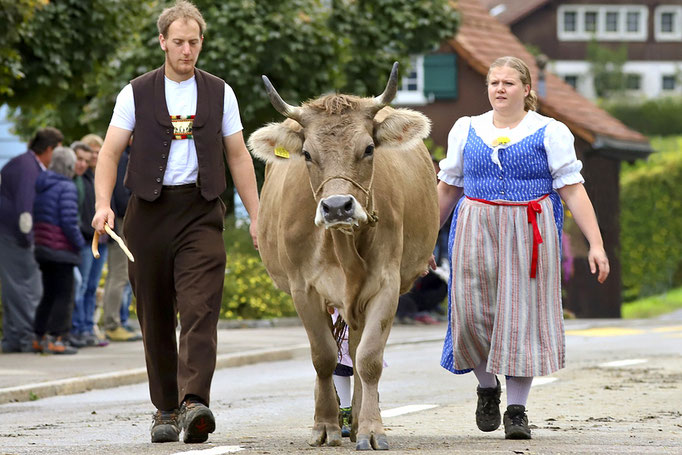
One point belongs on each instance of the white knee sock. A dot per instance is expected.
(342, 384)
(518, 388)
(485, 380)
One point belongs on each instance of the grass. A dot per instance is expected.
(656, 305)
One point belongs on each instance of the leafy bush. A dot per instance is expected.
(651, 225)
(661, 116)
(248, 292)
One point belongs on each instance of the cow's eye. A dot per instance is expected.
(306, 155)
(369, 151)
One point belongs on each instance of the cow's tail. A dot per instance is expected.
(339, 330)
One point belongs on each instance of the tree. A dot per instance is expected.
(306, 47)
(606, 67)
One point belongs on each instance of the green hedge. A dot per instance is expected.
(248, 292)
(651, 221)
(661, 116)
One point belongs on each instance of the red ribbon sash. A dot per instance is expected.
(532, 208)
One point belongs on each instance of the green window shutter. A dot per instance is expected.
(440, 76)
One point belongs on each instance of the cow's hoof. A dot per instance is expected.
(379, 442)
(334, 438)
(317, 438)
(363, 442)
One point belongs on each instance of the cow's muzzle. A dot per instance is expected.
(339, 210)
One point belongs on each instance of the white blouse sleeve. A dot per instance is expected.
(563, 163)
(451, 168)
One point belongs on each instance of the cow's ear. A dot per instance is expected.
(277, 141)
(401, 128)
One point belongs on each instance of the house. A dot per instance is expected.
(562, 29)
(451, 83)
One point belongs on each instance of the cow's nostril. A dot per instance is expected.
(325, 209)
(348, 207)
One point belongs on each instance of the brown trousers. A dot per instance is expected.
(179, 268)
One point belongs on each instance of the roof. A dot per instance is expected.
(481, 39)
(510, 11)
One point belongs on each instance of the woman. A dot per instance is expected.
(58, 240)
(513, 166)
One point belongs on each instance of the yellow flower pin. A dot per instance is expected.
(501, 141)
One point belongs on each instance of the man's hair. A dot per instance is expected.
(181, 10)
(80, 145)
(44, 138)
(63, 161)
(92, 140)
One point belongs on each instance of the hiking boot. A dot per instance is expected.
(76, 341)
(120, 334)
(196, 421)
(37, 344)
(488, 407)
(345, 421)
(516, 422)
(165, 426)
(56, 345)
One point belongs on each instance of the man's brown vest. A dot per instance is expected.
(153, 135)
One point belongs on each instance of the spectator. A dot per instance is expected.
(19, 272)
(117, 278)
(83, 327)
(58, 241)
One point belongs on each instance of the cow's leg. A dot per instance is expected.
(369, 359)
(353, 341)
(324, 352)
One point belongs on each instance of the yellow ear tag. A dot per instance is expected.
(281, 152)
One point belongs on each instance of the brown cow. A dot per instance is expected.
(348, 219)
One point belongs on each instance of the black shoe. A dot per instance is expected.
(516, 422)
(196, 421)
(165, 426)
(488, 408)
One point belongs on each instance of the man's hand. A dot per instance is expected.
(103, 215)
(253, 230)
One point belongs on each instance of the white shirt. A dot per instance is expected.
(558, 141)
(181, 99)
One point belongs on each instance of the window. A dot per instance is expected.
(572, 80)
(570, 21)
(611, 21)
(632, 21)
(411, 89)
(633, 82)
(590, 21)
(410, 82)
(606, 22)
(668, 83)
(668, 23)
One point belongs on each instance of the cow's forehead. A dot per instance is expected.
(339, 132)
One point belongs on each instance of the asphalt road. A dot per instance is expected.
(592, 406)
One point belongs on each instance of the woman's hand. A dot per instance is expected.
(598, 260)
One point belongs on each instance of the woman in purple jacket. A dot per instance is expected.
(58, 241)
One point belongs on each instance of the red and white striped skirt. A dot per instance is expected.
(499, 313)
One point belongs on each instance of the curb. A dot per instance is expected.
(69, 386)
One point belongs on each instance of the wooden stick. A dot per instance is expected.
(94, 246)
(120, 242)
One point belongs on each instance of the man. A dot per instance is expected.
(83, 327)
(19, 273)
(182, 119)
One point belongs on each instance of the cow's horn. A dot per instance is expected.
(391, 89)
(287, 110)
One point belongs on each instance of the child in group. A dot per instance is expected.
(341, 377)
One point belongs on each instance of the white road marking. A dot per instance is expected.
(623, 363)
(407, 409)
(213, 451)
